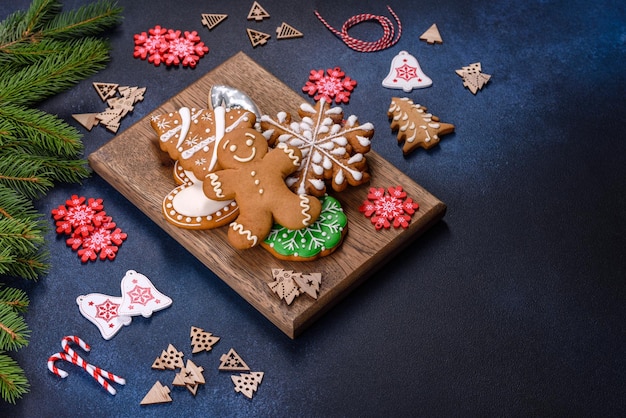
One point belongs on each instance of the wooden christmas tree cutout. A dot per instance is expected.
(87, 120)
(472, 77)
(288, 284)
(257, 38)
(286, 31)
(190, 377)
(232, 362)
(158, 394)
(284, 285)
(158, 364)
(201, 340)
(247, 383)
(105, 90)
(212, 20)
(309, 283)
(432, 35)
(257, 12)
(172, 358)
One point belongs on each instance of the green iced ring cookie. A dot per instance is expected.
(318, 240)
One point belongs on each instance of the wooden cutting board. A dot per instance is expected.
(133, 163)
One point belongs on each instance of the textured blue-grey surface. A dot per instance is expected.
(513, 305)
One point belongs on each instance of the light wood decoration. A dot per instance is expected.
(134, 164)
(257, 38)
(202, 340)
(432, 35)
(257, 12)
(247, 383)
(286, 31)
(211, 20)
(157, 394)
(231, 362)
(87, 120)
(105, 90)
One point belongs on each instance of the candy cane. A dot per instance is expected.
(386, 41)
(76, 359)
(70, 356)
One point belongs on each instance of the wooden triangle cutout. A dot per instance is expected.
(257, 12)
(88, 120)
(432, 35)
(286, 31)
(232, 362)
(211, 20)
(105, 90)
(257, 38)
(158, 394)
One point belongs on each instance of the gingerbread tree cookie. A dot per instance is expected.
(415, 126)
(332, 150)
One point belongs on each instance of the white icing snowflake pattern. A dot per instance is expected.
(332, 149)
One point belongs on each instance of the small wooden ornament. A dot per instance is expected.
(472, 77)
(135, 94)
(105, 90)
(432, 35)
(232, 362)
(202, 340)
(257, 38)
(257, 12)
(309, 283)
(247, 383)
(285, 31)
(211, 20)
(172, 358)
(158, 364)
(87, 120)
(157, 394)
(284, 285)
(195, 372)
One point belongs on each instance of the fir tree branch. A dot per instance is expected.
(87, 20)
(14, 332)
(15, 205)
(55, 73)
(14, 298)
(43, 130)
(13, 382)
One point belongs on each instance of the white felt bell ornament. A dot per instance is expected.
(406, 74)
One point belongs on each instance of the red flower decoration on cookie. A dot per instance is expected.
(391, 207)
(333, 85)
(92, 233)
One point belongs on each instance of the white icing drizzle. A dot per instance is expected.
(217, 185)
(185, 117)
(237, 227)
(306, 207)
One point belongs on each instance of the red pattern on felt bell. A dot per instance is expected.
(406, 74)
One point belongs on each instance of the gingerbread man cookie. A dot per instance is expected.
(254, 176)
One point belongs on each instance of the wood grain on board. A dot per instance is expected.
(133, 163)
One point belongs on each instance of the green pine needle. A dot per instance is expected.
(43, 51)
(13, 382)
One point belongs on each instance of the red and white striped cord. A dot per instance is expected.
(386, 41)
(70, 356)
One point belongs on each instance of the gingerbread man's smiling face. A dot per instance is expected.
(241, 147)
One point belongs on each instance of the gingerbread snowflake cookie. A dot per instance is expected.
(333, 150)
(415, 126)
(388, 207)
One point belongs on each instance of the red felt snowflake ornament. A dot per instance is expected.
(332, 85)
(169, 46)
(92, 233)
(386, 208)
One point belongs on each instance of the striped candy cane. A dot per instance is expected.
(87, 366)
(70, 356)
(386, 41)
